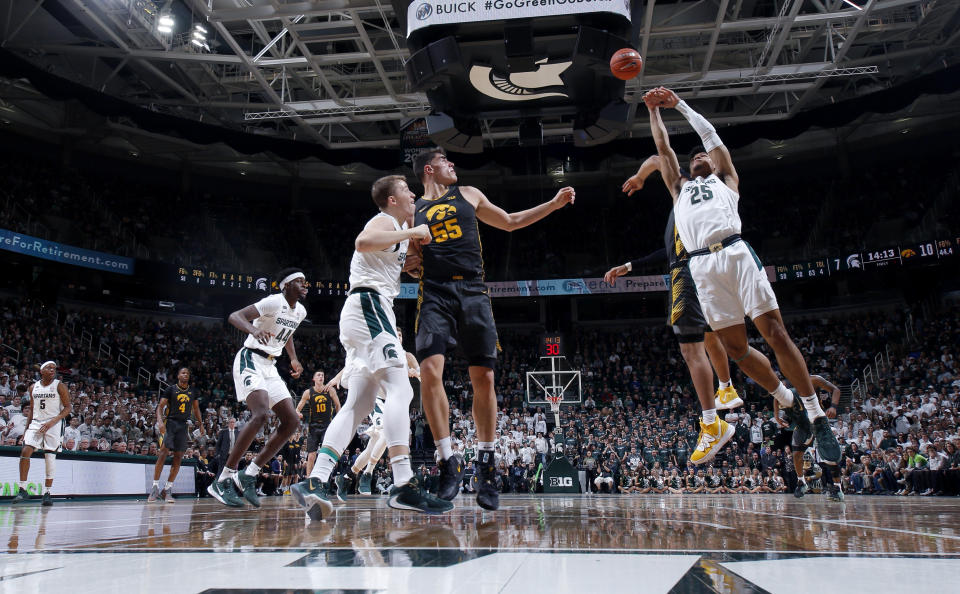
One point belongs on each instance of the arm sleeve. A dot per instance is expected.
(657, 256)
(706, 131)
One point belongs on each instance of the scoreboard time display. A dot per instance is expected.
(551, 345)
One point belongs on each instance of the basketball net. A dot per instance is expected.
(554, 400)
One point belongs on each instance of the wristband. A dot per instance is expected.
(629, 266)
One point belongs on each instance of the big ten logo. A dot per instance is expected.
(444, 226)
(561, 481)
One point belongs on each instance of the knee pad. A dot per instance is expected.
(50, 460)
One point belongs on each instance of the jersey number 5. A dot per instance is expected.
(445, 230)
(703, 191)
(43, 404)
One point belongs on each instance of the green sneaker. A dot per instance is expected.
(343, 483)
(413, 497)
(314, 497)
(247, 486)
(364, 487)
(225, 492)
(21, 496)
(827, 445)
(796, 414)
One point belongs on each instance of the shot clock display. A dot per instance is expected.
(551, 345)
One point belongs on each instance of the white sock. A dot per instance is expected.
(725, 384)
(443, 444)
(812, 404)
(486, 446)
(156, 484)
(227, 473)
(324, 466)
(252, 469)
(783, 396)
(23, 485)
(169, 486)
(709, 416)
(402, 473)
(46, 489)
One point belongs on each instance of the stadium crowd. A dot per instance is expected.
(632, 433)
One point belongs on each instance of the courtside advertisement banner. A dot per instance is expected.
(423, 13)
(92, 477)
(65, 254)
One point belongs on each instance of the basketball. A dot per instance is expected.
(626, 63)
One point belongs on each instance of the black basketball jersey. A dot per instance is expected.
(454, 252)
(179, 402)
(319, 409)
(671, 239)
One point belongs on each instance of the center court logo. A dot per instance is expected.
(424, 12)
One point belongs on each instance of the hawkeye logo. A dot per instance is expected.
(183, 398)
(541, 83)
(390, 351)
(441, 211)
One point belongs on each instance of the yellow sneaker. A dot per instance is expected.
(727, 398)
(712, 439)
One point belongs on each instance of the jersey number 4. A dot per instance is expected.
(699, 193)
(445, 230)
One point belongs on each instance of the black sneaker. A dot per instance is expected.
(413, 497)
(801, 489)
(47, 500)
(247, 486)
(796, 414)
(313, 496)
(21, 496)
(451, 473)
(488, 495)
(835, 493)
(225, 492)
(827, 445)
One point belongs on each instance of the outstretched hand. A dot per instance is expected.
(661, 97)
(632, 184)
(565, 196)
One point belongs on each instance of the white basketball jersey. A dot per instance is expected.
(380, 271)
(706, 212)
(277, 318)
(46, 401)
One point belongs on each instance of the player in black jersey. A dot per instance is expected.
(698, 345)
(291, 462)
(453, 309)
(179, 401)
(322, 403)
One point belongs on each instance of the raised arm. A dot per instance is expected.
(822, 383)
(493, 215)
(669, 166)
(723, 163)
(635, 181)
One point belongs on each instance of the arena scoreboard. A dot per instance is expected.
(923, 253)
(223, 279)
(551, 345)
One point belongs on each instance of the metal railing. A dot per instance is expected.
(9, 349)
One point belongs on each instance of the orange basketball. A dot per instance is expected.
(626, 63)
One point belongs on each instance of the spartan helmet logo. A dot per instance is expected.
(390, 351)
(541, 83)
(440, 212)
(261, 284)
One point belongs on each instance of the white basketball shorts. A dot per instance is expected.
(368, 334)
(731, 284)
(49, 441)
(253, 372)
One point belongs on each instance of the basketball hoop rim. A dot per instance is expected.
(555, 402)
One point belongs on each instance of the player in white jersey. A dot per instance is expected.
(730, 280)
(49, 406)
(270, 324)
(375, 356)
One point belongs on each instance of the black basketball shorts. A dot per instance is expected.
(685, 315)
(175, 439)
(456, 313)
(315, 438)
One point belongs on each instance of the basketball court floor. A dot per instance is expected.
(555, 544)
